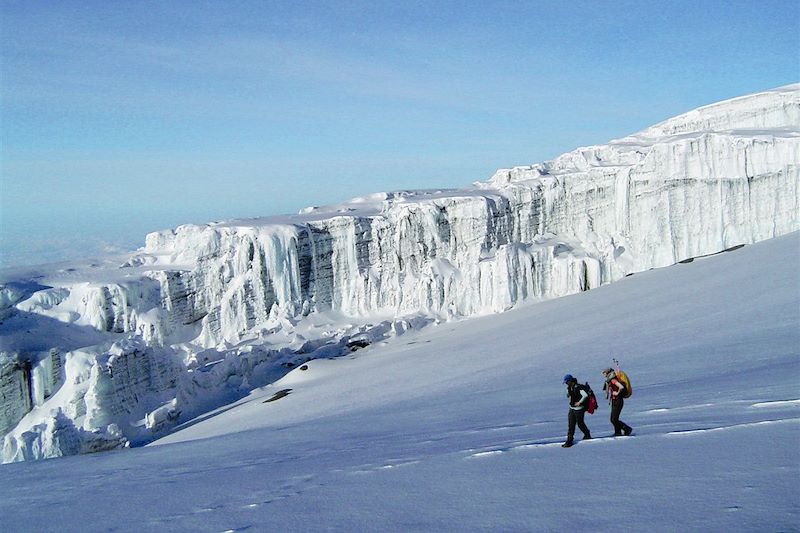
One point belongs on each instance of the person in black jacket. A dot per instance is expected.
(578, 403)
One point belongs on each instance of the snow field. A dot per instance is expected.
(457, 427)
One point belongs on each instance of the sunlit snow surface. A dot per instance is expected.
(457, 427)
(122, 350)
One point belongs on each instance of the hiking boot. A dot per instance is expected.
(587, 437)
(617, 433)
(567, 444)
(628, 430)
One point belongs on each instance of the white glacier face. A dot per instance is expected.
(203, 313)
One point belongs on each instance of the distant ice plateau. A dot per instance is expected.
(119, 352)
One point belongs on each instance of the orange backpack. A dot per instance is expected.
(623, 378)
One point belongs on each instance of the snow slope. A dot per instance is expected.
(457, 427)
(118, 352)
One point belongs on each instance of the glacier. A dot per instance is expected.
(119, 352)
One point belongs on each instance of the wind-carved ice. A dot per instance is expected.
(204, 313)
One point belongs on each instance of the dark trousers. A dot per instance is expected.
(616, 408)
(576, 417)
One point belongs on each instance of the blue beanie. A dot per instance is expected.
(568, 378)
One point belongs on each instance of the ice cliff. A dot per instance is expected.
(100, 356)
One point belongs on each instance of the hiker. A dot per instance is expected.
(578, 402)
(615, 393)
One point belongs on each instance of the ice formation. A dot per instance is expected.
(98, 357)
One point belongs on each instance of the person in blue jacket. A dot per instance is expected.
(578, 403)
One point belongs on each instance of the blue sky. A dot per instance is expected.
(123, 118)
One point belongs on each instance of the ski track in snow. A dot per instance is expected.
(557, 441)
(733, 426)
(779, 403)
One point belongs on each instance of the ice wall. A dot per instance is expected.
(205, 305)
(589, 217)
